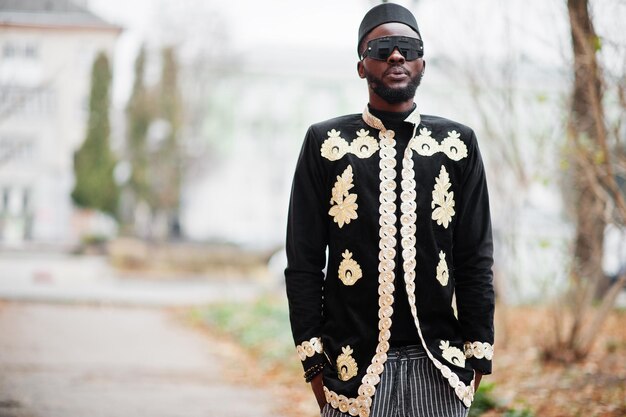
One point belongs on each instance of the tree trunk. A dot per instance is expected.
(587, 132)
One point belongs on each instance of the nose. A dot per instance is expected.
(396, 57)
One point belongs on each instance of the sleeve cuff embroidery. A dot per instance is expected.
(309, 348)
(478, 350)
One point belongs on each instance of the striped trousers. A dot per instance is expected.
(410, 386)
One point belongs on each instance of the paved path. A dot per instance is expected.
(67, 278)
(59, 360)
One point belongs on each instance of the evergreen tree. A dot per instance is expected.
(139, 115)
(167, 173)
(94, 162)
(154, 119)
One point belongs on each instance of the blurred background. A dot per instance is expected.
(147, 150)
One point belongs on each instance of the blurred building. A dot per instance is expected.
(47, 48)
(258, 115)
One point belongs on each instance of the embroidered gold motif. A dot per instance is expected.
(478, 350)
(452, 146)
(362, 403)
(309, 348)
(452, 354)
(424, 144)
(335, 147)
(408, 230)
(442, 269)
(359, 406)
(349, 270)
(344, 205)
(346, 365)
(364, 145)
(443, 198)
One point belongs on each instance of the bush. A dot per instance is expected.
(261, 326)
(483, 400)
(512, 412)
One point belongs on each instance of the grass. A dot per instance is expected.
(262, 327)
(591, 388)
(485, 403)
(513, 412)
(483, 400)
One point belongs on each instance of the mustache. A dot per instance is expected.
(396, 69)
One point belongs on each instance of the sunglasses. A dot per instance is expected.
(380, 48)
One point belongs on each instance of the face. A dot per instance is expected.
(396, 79)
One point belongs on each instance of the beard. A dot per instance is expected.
(394, 95)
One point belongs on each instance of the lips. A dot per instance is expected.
(396, 73)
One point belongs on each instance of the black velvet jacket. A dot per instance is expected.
(348, 190)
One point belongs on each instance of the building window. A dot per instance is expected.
(9, 50)
(23, 50)
(31, 51)
(16, 149)
(26, 101)
(16, 201)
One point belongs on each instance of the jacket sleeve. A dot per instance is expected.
(473, 260)
(307, 235)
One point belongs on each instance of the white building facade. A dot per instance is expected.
(47, 50)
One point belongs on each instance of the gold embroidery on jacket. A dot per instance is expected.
(452, 354)
(343, 203)
(360, 406)
(443, 200)
(442, 269)
(408, 231)
(335, 147)
(309, 348)
(424, 144)
(478, 350)
(346, 365)
(364, 145)
(349, 270)
(452, 146)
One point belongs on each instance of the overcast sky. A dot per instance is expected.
(488, 28)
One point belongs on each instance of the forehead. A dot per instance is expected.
(391, 29)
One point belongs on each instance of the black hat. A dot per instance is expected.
(385, 13)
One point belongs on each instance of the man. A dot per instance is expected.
(399, 201)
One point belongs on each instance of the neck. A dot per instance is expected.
(379, 104)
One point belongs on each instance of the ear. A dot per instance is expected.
(424, 67)
(360, 69)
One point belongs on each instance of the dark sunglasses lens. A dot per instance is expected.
(381, 53)
(381, 48)
(411, 48)
(413, 53)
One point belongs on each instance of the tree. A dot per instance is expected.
(94, 161)
(139, 114)
(597, 198)
(154, 120)
(166, 161)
